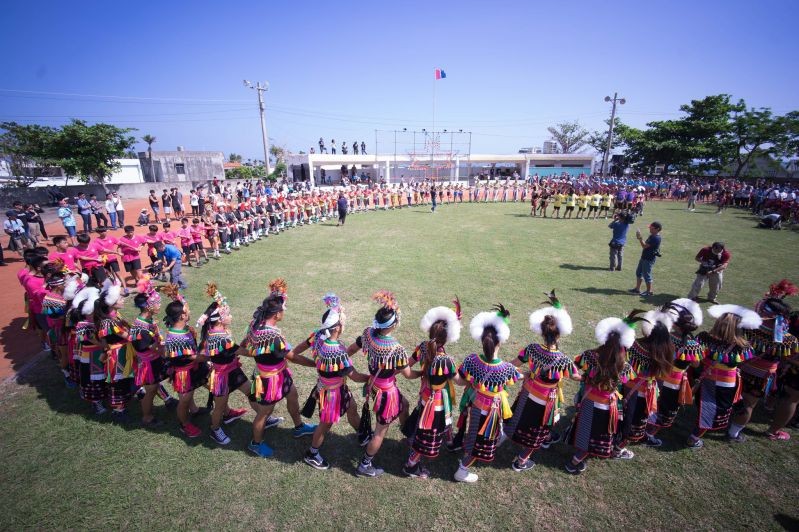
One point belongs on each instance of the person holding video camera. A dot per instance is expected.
(621, 222)
(649, 253)
(713, 260)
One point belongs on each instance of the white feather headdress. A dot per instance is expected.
(497, 319)
(556, 310)
(85, 299)
(749, 318)
(111, 292)
(656, 316)
(691, 306)
(609, 325)
(449, 316)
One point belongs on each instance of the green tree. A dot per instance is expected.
(89, 152)
(755, 133)
(150, 140)
(234, 158)
(570, 137)
(28, 151)
(599, 139)
(707, 129)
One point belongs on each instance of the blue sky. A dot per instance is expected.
(344, 69)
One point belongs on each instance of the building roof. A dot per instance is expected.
(231, 165)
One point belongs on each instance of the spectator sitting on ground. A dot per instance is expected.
(144, 218)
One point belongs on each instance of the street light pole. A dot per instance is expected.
(260, 89)
(621, 101)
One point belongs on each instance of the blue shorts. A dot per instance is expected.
(71, 230)
(644, 270)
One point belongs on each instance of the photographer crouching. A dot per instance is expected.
(621, 222)
(713, 260)
(649, 253)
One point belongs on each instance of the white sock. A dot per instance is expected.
(734, 430)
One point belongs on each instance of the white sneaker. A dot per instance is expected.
(463, 475)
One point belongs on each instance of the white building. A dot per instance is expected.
(393, 168)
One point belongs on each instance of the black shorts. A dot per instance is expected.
(132, 265)
(187, 249)
(112, 265)
(197, 246)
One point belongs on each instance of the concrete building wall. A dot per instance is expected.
(179, 166)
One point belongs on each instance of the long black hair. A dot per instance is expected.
(173, 313)
(270, 307)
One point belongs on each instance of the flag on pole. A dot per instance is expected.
(440, 74)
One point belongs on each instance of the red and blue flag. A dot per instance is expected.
(440, 74)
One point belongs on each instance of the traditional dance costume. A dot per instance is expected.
(331, 393)
(180, 349)
(93, 386)
(489, 407)
(641, 394)
(772, 345)
(120, 361)
(272, 379)
(598, 413)
(147, 342)
(431, 421)
(385, 357)
(536, 407)
(675, 388)
(54, 308)
(226, 372)
(720, 385)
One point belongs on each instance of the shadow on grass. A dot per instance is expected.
(582, 267)
(20, 346)
(787, 522)
(604, 291)
(342, 451)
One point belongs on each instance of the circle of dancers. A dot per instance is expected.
(633, 382)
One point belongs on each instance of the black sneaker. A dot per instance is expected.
(273, 421)
(698, 444)
(453, 447)
(171, 403)
(575, 469)
(416, 471)
(120, 416)
(368, 471)
(740, 438)
(315, 461)
(518, 466)
(152, 424)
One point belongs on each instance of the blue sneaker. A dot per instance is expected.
(70, 383)
(304, 430)
(260, 449)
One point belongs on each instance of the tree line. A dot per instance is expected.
(715, 134)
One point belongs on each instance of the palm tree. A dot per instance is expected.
(150, 140)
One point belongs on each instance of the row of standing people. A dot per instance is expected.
(631, 388)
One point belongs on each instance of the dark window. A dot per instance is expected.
(180, 168)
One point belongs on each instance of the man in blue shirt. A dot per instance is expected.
(171, 258)
(650, 252)
(619, 225)
(85, 211)
(342, 205)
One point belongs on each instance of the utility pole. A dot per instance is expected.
(260, 89)
(621, 101)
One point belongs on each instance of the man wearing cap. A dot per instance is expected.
(649, 253)
(713, 260)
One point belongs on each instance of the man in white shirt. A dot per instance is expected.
(120, 209)
(111, 209)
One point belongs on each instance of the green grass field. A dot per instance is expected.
(63, 468)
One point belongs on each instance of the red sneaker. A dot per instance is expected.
(233, 414)
(191, 430)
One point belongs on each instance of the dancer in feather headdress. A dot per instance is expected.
(724, 348)
(93, 387)
(385, 358)
(187, 366)
(431, 421)
(490, 378)
(147, 341)
(216, 343)
(536, 408)
(119, 357)
(776, 353)
(272, 380)
(604, 370)
(674, 389)
(331, 393)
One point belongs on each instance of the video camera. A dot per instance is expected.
(625, 216)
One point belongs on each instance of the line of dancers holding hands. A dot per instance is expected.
(632, 387)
